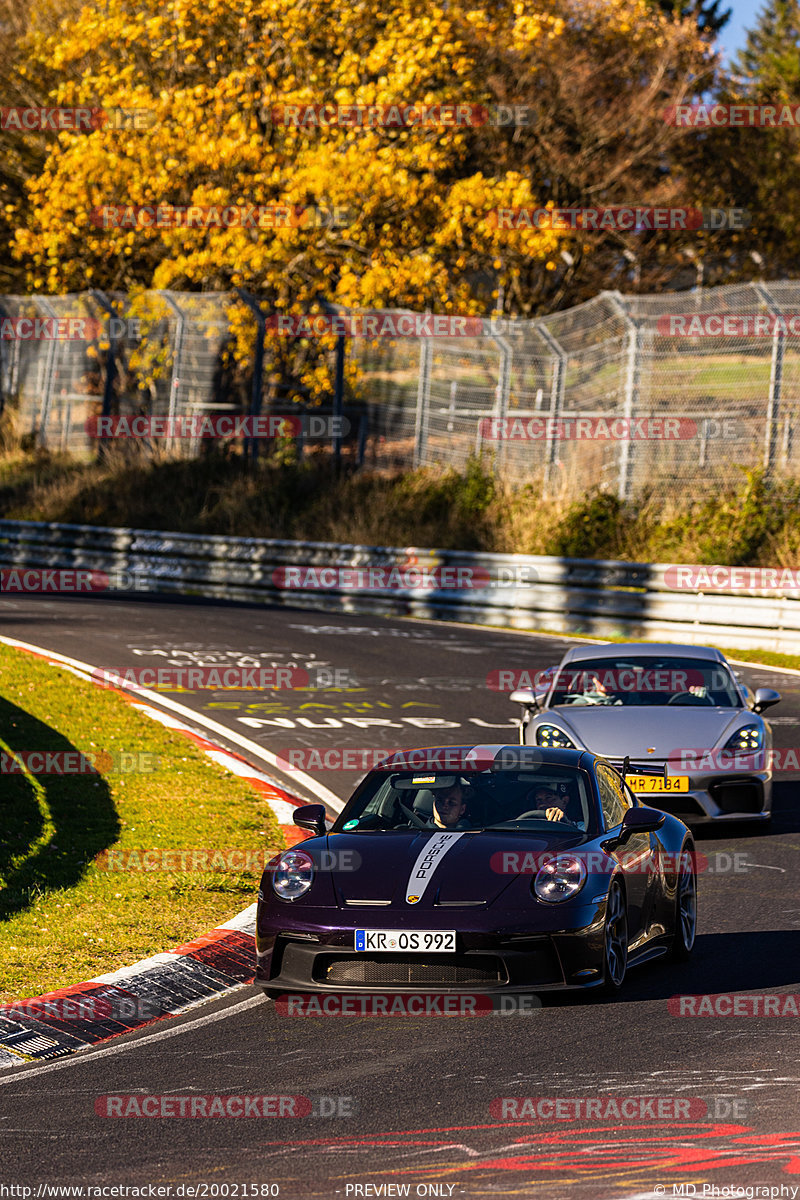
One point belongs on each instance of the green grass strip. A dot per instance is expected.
(67, 910)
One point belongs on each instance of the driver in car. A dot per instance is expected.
(546, 800)
(449, 807)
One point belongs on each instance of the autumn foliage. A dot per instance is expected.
(595, 76)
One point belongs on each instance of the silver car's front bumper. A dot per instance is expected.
(713, 795)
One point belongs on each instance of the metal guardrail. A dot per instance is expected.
(512, 591)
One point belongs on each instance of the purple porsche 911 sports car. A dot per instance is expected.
(491, 868)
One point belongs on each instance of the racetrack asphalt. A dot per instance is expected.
(419, 1091)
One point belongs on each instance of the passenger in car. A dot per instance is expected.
(449, 807)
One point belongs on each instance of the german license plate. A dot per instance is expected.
(657, 783)
(419, 941)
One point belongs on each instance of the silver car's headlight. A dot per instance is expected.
(293, 874)
(551, 735)
(746, 740)
(560, 879)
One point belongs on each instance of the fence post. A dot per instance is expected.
(338, 403)
(111, 365)
(257, 389)
(48, 382)
(632, 374)
(556, 398)
(177, 355)
(10, 370)
(423, 400)
(503, 391)
(775, 381)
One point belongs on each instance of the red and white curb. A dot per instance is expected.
(58, 1023)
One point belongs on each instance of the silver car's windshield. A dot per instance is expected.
(651, 681)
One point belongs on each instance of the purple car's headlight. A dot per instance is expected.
(560, 878)
(292, 874)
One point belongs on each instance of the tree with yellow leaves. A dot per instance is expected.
(590, 81)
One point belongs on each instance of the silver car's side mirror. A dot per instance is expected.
(524, 696)
(765, 698)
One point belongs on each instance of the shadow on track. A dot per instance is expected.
(721, 962)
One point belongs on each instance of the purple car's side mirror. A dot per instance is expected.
(311, 817)
(642, 820)
(636, 820)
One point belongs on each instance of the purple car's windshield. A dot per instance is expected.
(652, 681)
(542, 798)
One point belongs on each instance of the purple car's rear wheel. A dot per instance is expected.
(685, 908)
(615, 940)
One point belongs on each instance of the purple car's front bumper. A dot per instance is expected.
(313, 950)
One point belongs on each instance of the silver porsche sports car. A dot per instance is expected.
(685, 731)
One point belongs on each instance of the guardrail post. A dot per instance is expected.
(632, 375)
(257, 389)
(423, 400)
(775, 381)
(556, 399)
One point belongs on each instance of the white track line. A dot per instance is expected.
(78, 1056)
(317, 789)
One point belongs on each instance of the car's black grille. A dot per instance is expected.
(739, 797)
(679, 804)
(397, 970)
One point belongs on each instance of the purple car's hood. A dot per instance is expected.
(615, 731)
(436, 868)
